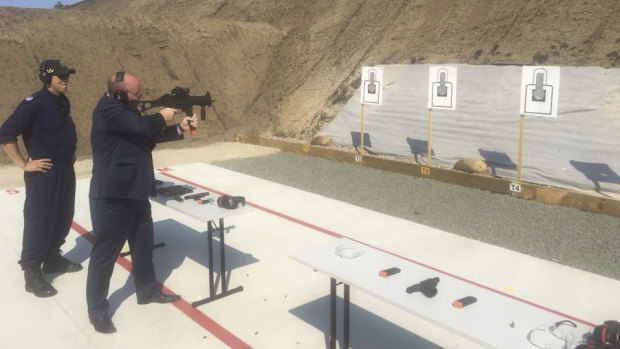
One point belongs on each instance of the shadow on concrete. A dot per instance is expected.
(367, 330)
(78, 254)
(182, 242)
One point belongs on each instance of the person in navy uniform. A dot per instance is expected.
(44, 122)
(123, 178)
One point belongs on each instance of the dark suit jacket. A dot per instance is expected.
(122, 140)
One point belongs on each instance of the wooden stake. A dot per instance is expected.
(430, 137)
(521, 126)
(362, 131)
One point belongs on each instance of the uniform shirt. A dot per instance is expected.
(45, 124)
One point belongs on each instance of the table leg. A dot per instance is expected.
(222, 256)
(345, 340)
(210, 252)
(332, 314)
(212, 288)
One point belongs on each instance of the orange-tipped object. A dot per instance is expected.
(388, 272)
(463, 302)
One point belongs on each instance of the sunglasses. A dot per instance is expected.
(63, 77)
(137, 94)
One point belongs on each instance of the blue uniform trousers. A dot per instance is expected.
(48, 212)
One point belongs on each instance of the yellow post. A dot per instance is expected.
(362, 131)
(430, 137)
(521, 125)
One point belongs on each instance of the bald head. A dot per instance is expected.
(129, 83)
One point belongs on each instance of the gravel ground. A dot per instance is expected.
(568, 236)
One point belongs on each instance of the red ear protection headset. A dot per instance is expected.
(119, 92)
(605, 336)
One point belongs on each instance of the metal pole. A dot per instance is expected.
(345, 340)
(210, 248)
(332, 314)
(222, 256)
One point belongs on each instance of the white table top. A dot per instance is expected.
(495, 320)
(205, 212)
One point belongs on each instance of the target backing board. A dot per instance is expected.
(372, 85)
(540, 91)
(442, 87)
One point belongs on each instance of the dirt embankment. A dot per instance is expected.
(286, 67)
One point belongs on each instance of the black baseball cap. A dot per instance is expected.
(56, 67)
(51, 67)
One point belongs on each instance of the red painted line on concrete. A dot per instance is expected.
(262, 208)
(186, 308)
(337, 235)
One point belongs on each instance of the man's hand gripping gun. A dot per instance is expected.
(179, 98)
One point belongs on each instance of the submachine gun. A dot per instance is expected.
(179, 98)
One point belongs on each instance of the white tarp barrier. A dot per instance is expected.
(578, 150)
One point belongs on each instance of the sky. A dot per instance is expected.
(36, 3)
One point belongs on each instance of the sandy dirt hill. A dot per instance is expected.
(285, 67)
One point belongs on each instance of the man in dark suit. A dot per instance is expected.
(123, 178)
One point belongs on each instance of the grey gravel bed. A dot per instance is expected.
(568, 236)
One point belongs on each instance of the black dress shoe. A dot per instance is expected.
(36, 283)
(159, 297)
(103, 324)
(56, 263)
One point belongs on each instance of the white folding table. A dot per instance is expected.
(206, 210)
(495, 320)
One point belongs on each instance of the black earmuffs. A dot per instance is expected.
(119, 92)
(230, 202)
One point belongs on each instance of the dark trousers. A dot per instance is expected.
(114, 222)
(48, 212)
